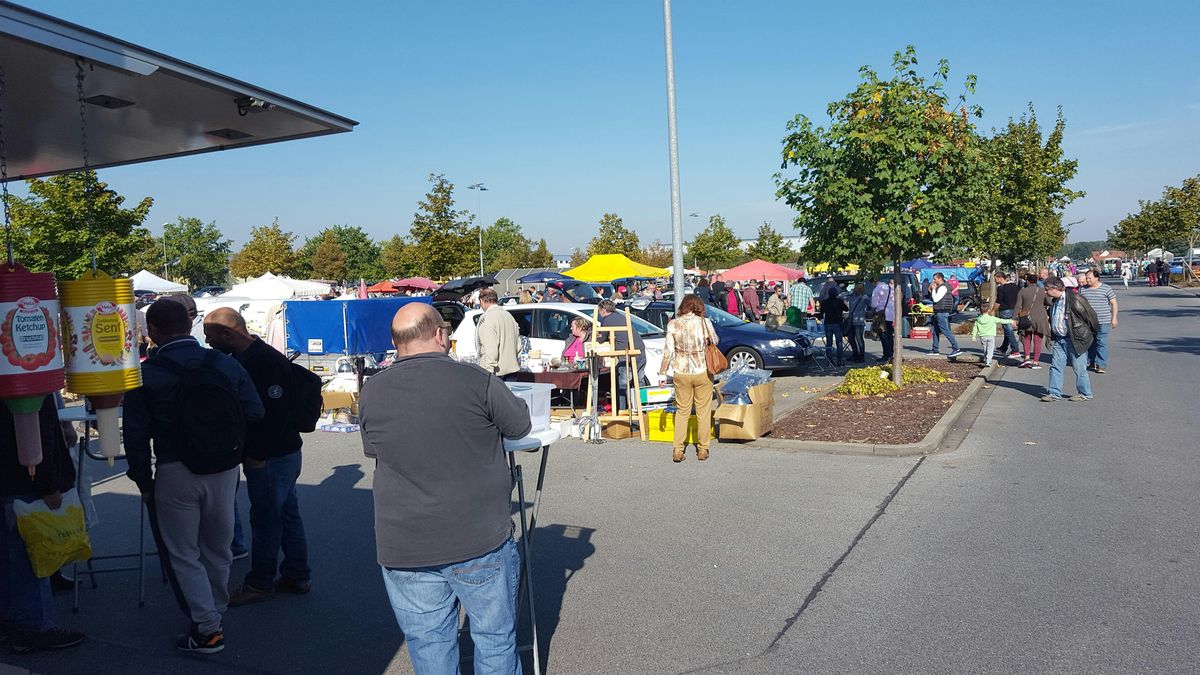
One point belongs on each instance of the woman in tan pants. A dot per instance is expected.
(687, 335)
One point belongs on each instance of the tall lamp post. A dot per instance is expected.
(479, 187)
(165, 225)
(673, 153)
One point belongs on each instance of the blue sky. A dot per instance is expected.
(559, 107)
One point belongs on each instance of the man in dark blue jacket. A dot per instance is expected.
(191, 513)
(272, 464)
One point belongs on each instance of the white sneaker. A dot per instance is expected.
(1036, 367)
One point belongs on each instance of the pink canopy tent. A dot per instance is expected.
(420, 283)
(761, 269)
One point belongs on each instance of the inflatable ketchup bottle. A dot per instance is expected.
(31, 363)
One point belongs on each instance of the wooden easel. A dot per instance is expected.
(630, 356)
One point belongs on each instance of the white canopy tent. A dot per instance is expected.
(271, 287)
(149, 281)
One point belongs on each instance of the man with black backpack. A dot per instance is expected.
(291, 396)
(193, 405)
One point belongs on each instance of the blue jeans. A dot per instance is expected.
(25, 600)
(941, 326)
(1010, 337)
(885, 340)
(425, 601)
(858, 343)
(1064, 355)
(275, 523)
(833, 336)
(1098, 352)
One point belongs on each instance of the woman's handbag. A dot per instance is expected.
(714, 361)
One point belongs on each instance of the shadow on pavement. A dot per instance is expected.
(1163, 313)
(1031, 389)
(1186, 344)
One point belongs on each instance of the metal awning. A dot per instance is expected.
(141, 105)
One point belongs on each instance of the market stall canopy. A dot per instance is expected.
(541, 277)
(1159, 253)
(916, 264)
(271, 287)
(417, 283)
(466, 285)
(149, 281)
(761, 269)
(141, 105)
(609, 266)
(383, 287)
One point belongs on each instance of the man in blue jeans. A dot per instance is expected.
(1006, 301)
(272, 465)
(1104, 302)
(1072, 329)
(943, 307)
(442, 487)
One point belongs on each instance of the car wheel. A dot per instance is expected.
(744, 356)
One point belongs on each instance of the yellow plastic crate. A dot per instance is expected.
(660, 426)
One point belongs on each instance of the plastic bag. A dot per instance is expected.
(53, 538)
(738, 381)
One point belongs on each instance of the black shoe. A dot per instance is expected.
(295, 587)
(197, 643)
(24, 642)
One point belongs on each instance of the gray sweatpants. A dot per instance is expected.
(195, 519)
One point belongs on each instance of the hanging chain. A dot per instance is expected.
(8, 243)
(87, 172)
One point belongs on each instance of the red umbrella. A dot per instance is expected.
(761, 269)
(420, 283)
(383, 287)
(362, 290)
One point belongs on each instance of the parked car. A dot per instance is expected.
(208, 291)
(742, 342)
(452, 312)
(548, 326)
(143, 298)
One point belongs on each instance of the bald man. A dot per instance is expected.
(272, 464)
(443, 527)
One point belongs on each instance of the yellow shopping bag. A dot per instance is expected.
(53, 538)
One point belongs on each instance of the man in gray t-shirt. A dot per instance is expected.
(1104, 301)
(442, 487)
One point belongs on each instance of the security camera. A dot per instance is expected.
(249, 104)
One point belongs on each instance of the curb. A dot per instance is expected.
(925, 446)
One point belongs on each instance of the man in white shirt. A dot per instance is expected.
(497, 336)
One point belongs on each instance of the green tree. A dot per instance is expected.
(1183, 204)
(363, 259)
(329, 260)
(504, 245)
(614, 237)
(1080, 250)
(717, 247)
(442, 237)
(269, 250)
(578, 257)
(657, 254)
(540, 256)
(51, 232)
(1020, 215)
(397, 258)
(892, 175)
(771, 247)
(197, 253)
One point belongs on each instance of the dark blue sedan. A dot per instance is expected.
(743, 343)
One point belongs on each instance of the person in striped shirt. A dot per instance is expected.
(1104, 301)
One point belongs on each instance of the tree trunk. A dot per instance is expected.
(897, 321)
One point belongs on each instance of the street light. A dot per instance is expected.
(165, 225)
(481, 189)
(673, 156)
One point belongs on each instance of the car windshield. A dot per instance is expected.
(722, 318)
(577, 290)
(642, 326)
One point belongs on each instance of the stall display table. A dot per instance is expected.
(570, 381)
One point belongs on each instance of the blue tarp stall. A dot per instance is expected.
(963, 273)
(343, 326)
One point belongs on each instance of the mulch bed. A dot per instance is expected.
(905, 416)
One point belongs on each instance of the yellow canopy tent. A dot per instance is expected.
(609, 266)
(824, 267)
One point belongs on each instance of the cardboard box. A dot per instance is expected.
(652, 395)
(335, 400)
(660, 426)
(748, 422)
(616, 429)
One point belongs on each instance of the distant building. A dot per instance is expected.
(562, 262)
